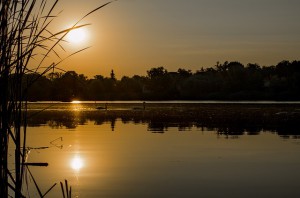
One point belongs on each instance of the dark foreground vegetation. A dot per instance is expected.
(25, 35)
(227, 81)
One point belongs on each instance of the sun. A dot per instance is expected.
(77, 36)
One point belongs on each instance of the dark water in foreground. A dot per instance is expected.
(130, 152)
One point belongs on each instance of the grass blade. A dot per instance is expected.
(62, 189)
(49, 190)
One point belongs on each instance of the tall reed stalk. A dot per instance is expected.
(24, 35)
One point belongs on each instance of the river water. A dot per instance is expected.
(120, 157)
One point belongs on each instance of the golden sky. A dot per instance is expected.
(132, 36)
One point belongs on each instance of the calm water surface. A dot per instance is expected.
(128, 159)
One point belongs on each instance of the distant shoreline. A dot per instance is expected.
(172, 102)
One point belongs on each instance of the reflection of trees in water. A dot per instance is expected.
(112, 123)
(252, 130)
(229, 127)
(233, 132)
(161, 127)
(157, 127)
(289, 131)
(69, 119)
(236, 131)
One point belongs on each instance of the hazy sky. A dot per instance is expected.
(132, 36)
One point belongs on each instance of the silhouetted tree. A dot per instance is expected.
(184, 73)
(112, 75)
(157, 72)
(224, 81)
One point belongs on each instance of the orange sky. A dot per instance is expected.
(132, 36)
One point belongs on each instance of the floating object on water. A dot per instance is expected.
(102, 108)
(140, 108)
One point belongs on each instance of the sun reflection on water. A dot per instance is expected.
(77, 163)
(76, 105)
(76, 102)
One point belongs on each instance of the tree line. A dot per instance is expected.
(224, 81)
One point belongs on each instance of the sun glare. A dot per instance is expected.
(76, 163)
(76, 102)
(77, 36)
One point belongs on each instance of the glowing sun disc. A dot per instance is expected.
(77, 35)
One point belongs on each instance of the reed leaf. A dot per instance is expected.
(62, 190)
(49, 190)
(67, 188)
